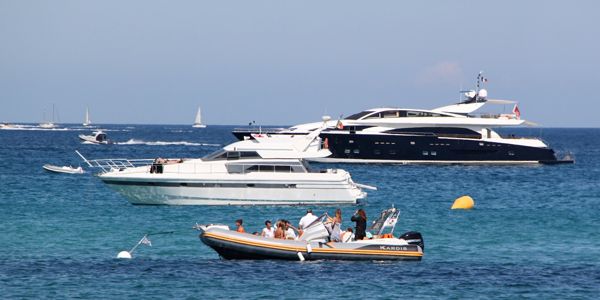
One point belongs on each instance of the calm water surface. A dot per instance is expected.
(535, 231)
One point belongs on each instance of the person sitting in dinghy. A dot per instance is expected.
(268, 231)
(240, 227)
(280, 229)
(290, 231)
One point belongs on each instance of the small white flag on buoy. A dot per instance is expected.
(146, 241)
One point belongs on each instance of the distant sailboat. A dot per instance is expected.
(87, 121)
(49, 124)
(198, 121)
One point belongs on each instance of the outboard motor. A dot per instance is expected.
(414, 238)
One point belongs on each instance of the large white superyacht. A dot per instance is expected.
(449, 134)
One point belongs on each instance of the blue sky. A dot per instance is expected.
(284, 62)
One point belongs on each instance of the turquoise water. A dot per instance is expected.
(535, 231)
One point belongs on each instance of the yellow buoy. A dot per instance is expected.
(464, 202)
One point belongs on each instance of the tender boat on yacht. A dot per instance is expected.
(97, 137)
(449, 134)
(315, 243)
(261, 171)
(63, 169)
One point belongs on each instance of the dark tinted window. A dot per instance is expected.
(282, 169)
(249, 154)
(358, 115)
(422, 114)
(441, 131)
(233, 155)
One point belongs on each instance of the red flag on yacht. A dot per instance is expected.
(517, 112)
(339, 125)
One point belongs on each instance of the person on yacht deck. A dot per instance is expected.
(268, 231)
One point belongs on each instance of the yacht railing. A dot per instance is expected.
(110, 164)
(177, 166)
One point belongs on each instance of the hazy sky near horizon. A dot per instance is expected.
(289, 62)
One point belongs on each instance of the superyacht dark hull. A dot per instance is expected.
(429, 149)
(348, 147)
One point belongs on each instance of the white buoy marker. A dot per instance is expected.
(124, 255)
(128, 254)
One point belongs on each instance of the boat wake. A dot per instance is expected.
(36, 128)
(163, 143)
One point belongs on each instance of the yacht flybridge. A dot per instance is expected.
(449, 134)
(259, 171)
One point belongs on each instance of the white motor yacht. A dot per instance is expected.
(260, 171)
(97, 137)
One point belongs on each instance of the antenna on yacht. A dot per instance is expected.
(477, 95)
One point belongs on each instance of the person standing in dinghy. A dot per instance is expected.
(360, 218)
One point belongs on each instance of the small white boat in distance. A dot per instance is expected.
(97, 137)
(63, 169)
(198, 120)
(87, 121)
(48, 124)
(260, 171)
(8, 126)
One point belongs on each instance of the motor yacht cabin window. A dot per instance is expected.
(238, 168)
(219, 154)
(358, 115)
(421, 114)
(231, 155)
(394, 114)
(374, 116)
(249, 154)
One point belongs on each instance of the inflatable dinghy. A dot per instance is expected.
(315, 244)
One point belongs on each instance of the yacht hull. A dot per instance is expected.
(409, 149)
(210, 192)
(233, 245)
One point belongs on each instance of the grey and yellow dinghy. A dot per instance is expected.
(315, 244)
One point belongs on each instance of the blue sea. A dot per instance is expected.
(534, 233)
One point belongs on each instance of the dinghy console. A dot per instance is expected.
(316, 231)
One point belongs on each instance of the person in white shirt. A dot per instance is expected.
(268, 231)
(307, 219)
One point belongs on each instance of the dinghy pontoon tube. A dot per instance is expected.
(314, 243)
